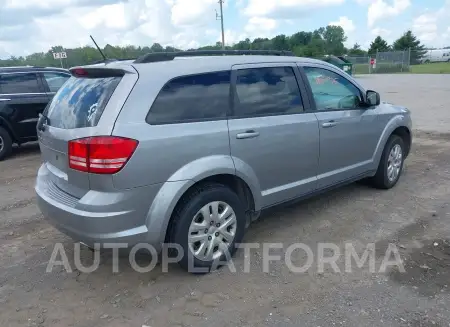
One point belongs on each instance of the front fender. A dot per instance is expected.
(395, 122)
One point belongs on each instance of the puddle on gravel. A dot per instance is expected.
(427, 269)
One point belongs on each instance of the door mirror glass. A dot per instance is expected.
(373, 98)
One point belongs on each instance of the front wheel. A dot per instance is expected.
(391, 164)
(207, 225)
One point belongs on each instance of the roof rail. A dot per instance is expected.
(24, 66)
(167, 56)
(109, 60)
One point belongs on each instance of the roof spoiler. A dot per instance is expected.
(96, 72)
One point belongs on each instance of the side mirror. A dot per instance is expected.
(372, 98)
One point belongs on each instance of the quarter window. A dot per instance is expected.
(55, 80)
(19, 83)
(332, 91)
(192, 98)
(267, 91)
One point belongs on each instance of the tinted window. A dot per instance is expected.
(19, 83)
(192, 98)
(55, 80)
(80, 102)
(332, 91)
(267, 91)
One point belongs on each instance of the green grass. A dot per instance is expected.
(431, 68)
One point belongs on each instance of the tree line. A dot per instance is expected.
(327, 40)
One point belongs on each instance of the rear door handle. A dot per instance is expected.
(247, 135)
(330, 123)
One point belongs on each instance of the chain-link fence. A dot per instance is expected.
(381, 62)
(396, 61)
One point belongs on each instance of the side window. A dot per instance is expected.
(332, 91)
(192, 98)
(267, 91)
(19, 83)
(55, 80)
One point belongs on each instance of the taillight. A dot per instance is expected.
(100, 154)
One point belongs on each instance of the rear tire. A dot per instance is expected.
(391, 164)
(214, 231)
(5, 144)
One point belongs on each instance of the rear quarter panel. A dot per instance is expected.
(174, 152)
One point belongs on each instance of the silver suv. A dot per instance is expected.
(188, 148)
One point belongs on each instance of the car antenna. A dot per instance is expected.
(98, 48)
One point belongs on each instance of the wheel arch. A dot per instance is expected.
(224, 170)
(234, 182)
(405, 134)
(396, 126)
(7, 126)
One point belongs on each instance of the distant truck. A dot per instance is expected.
(438, 55)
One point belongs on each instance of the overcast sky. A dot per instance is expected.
(28, 26)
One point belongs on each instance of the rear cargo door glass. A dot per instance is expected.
(80, 102)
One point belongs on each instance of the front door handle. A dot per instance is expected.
(330, 123)
(247, 135)
(5, 99)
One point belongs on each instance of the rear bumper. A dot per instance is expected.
(98, 217)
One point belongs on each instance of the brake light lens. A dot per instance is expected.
(79, 72)
(100, 154)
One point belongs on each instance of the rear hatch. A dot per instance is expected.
(82, 112)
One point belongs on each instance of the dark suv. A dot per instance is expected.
(24, 94)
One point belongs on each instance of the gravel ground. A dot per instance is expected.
(415, 216)
(424, 94)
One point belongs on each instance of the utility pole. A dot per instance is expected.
(221, 23)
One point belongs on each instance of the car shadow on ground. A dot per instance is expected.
(26, 149)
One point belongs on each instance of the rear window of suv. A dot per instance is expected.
(192, 98)
(80, 102)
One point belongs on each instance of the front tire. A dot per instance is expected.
(5, 144)
(207, 225)
(391, 164)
